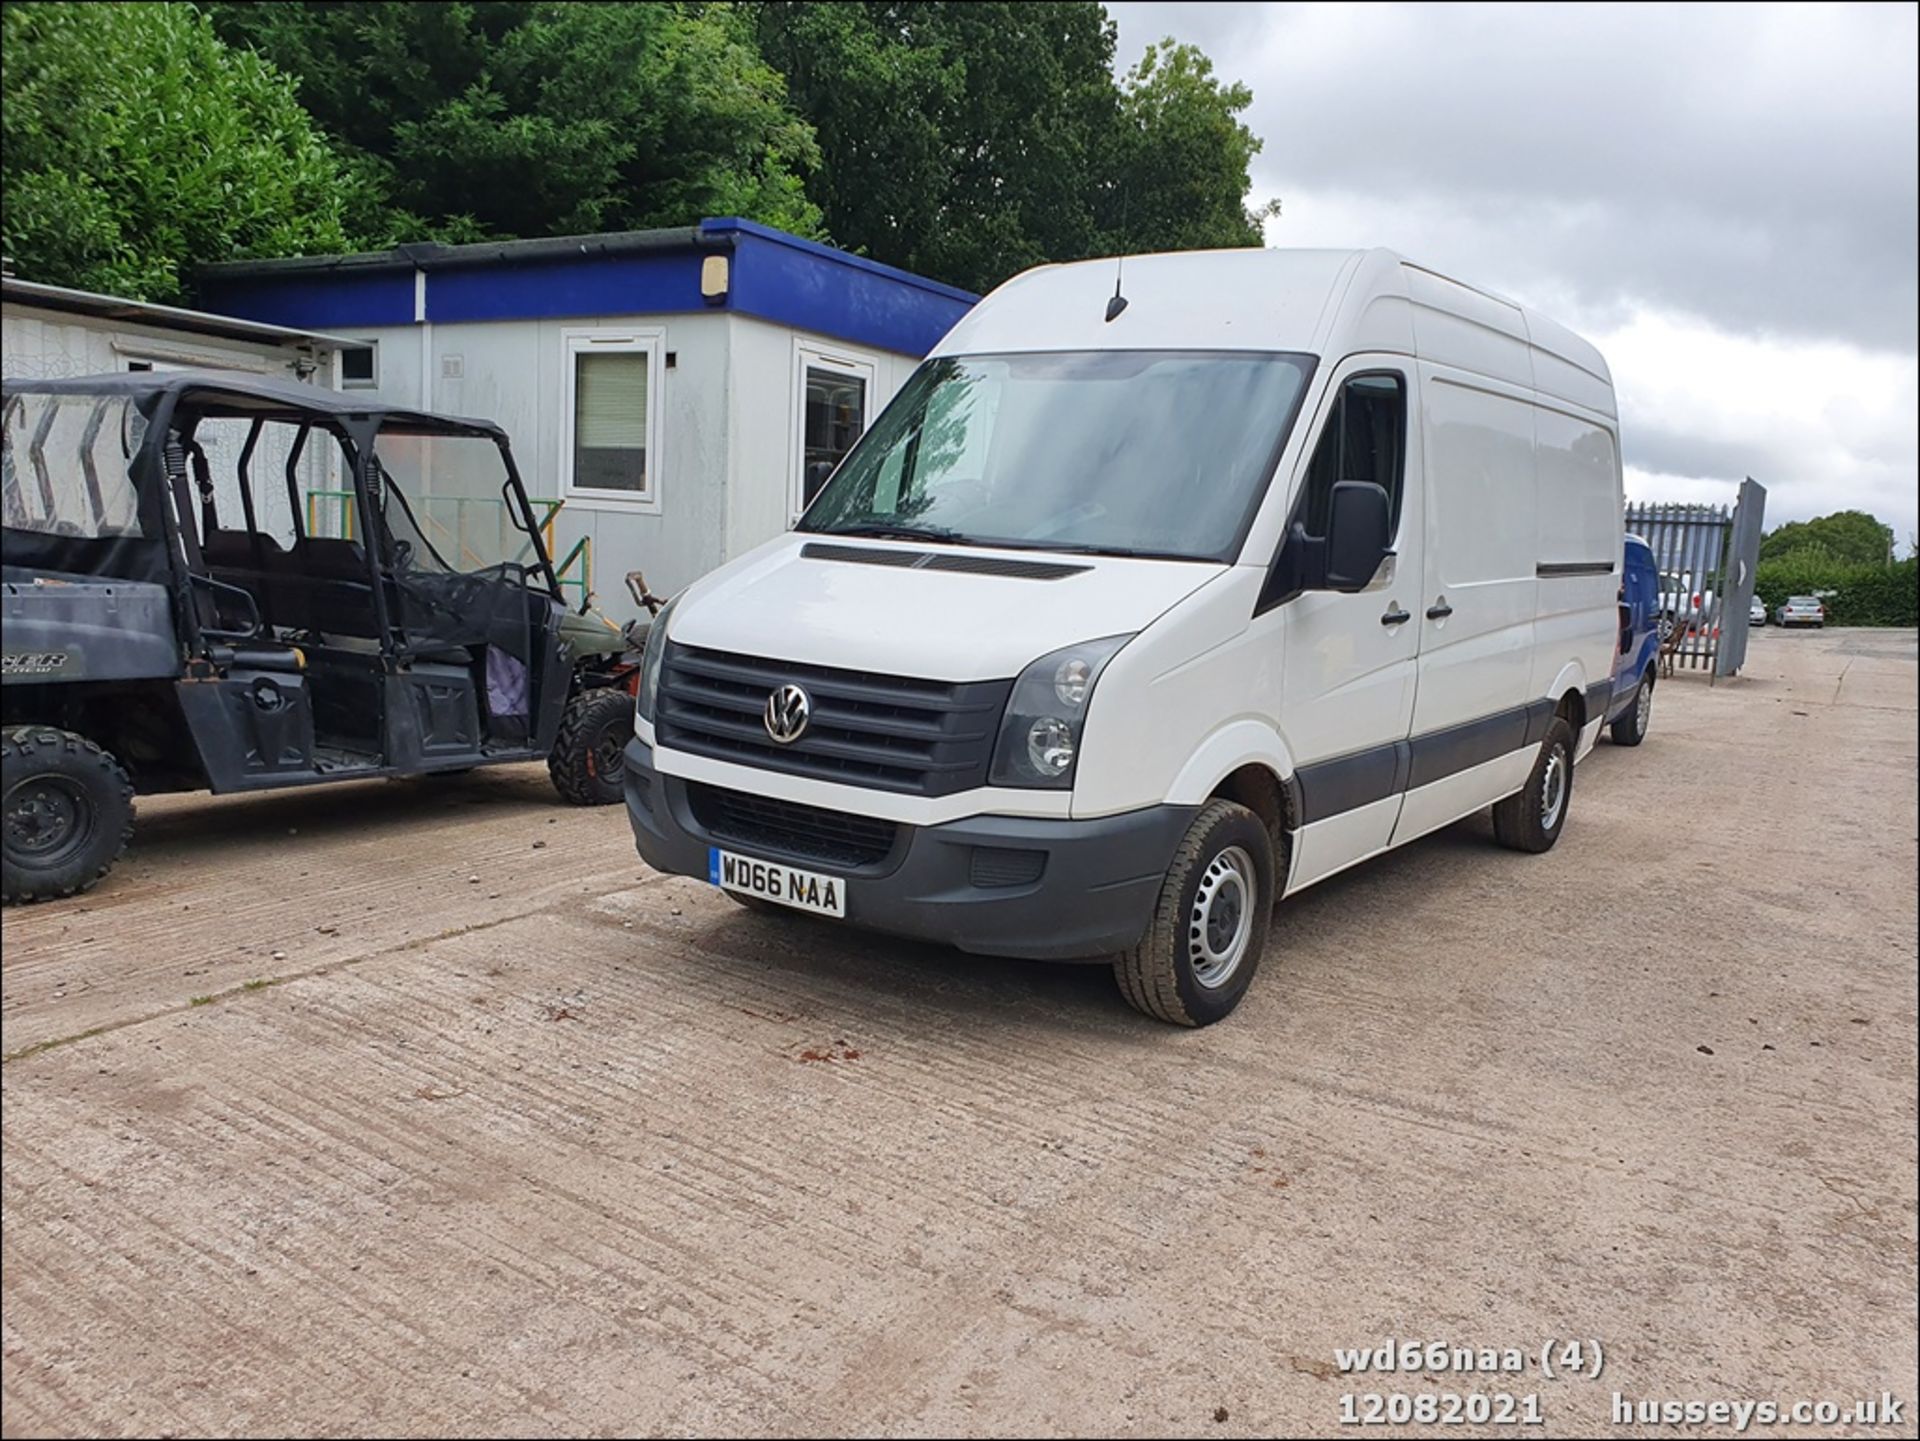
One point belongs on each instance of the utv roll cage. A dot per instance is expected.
(190, 626)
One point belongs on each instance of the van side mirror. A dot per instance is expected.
(1358, 517)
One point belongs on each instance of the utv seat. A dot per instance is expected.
(319, 585)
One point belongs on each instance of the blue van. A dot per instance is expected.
(1638, 651)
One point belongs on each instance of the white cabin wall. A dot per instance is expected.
(513, 372)
(766, 420)
(730, 438)
(38, 344)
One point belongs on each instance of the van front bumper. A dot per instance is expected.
(1056, 890)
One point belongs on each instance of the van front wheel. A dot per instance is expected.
(1210, 923)
(1532, 817)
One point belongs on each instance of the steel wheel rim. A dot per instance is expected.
(604, 755)
(1643, 707)
(49, 820)
(1553, 788)
(1220, 926)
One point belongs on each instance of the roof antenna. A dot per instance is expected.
(1119, 301)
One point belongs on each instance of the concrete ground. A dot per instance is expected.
(424, 1107)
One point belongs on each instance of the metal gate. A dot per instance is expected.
(1706, 556)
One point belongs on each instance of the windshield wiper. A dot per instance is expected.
(881, 530)
(1125, 552)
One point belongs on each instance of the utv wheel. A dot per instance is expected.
(586, 759)
(1631, 728)
(1530, 819)
(67, 810)
(1210, 924)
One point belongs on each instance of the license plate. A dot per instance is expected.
(772, 881)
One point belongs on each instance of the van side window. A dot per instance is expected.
(1365, 439)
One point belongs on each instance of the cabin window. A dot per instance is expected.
(1365, 438)
(611, 441)
(359, 367)
(835, 402)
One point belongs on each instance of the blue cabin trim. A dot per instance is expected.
(316, 302)
(772, 276)
(547, 289)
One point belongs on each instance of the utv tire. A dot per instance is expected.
(1631, 728)
(586, 759)
(68, 813)
(1209, 925)
(1532, 817)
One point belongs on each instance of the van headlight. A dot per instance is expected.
(1046, 714)
(651, 662)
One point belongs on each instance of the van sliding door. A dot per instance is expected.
(1477, 606)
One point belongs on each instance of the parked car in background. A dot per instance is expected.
(1682, 603)
(1802, 610)
(1636, 658)
(1757, 612)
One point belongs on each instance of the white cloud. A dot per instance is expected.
(1723, 198)
(1823, 425)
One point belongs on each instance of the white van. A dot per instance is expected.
(1158, 592)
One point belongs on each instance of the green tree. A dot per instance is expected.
(134, 145)
(1851, 537)
(968, 141)
(509, 118)
(1181, 159)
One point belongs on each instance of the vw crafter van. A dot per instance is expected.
(1161, 590)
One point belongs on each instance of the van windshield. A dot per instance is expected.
(1124, 452)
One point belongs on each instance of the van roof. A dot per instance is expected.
(1330, 303)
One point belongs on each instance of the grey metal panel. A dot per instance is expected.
(73, 628)
(1690, 540)
(1743, 560)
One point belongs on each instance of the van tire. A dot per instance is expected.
(1528, 820)
(1158, 975)
(1631, 728)
(586, 759)
(68, 813)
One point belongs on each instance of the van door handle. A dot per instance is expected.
(1396, 616)
(1439, 610)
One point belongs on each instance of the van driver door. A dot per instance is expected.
(1348, 692)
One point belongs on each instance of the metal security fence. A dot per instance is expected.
(1706, 556)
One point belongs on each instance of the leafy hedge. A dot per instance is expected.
(133, 143)
(1863, 594)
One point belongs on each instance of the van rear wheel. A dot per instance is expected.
(1532, 817)
(1631, 728)
(66, 807)
(1210, 924)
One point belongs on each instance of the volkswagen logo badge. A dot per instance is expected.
(786, 715)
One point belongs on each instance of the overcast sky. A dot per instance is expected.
(1722, 198)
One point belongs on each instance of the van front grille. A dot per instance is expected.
(788, 828)
(894, 733)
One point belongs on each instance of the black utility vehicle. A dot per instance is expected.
(221, 581)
